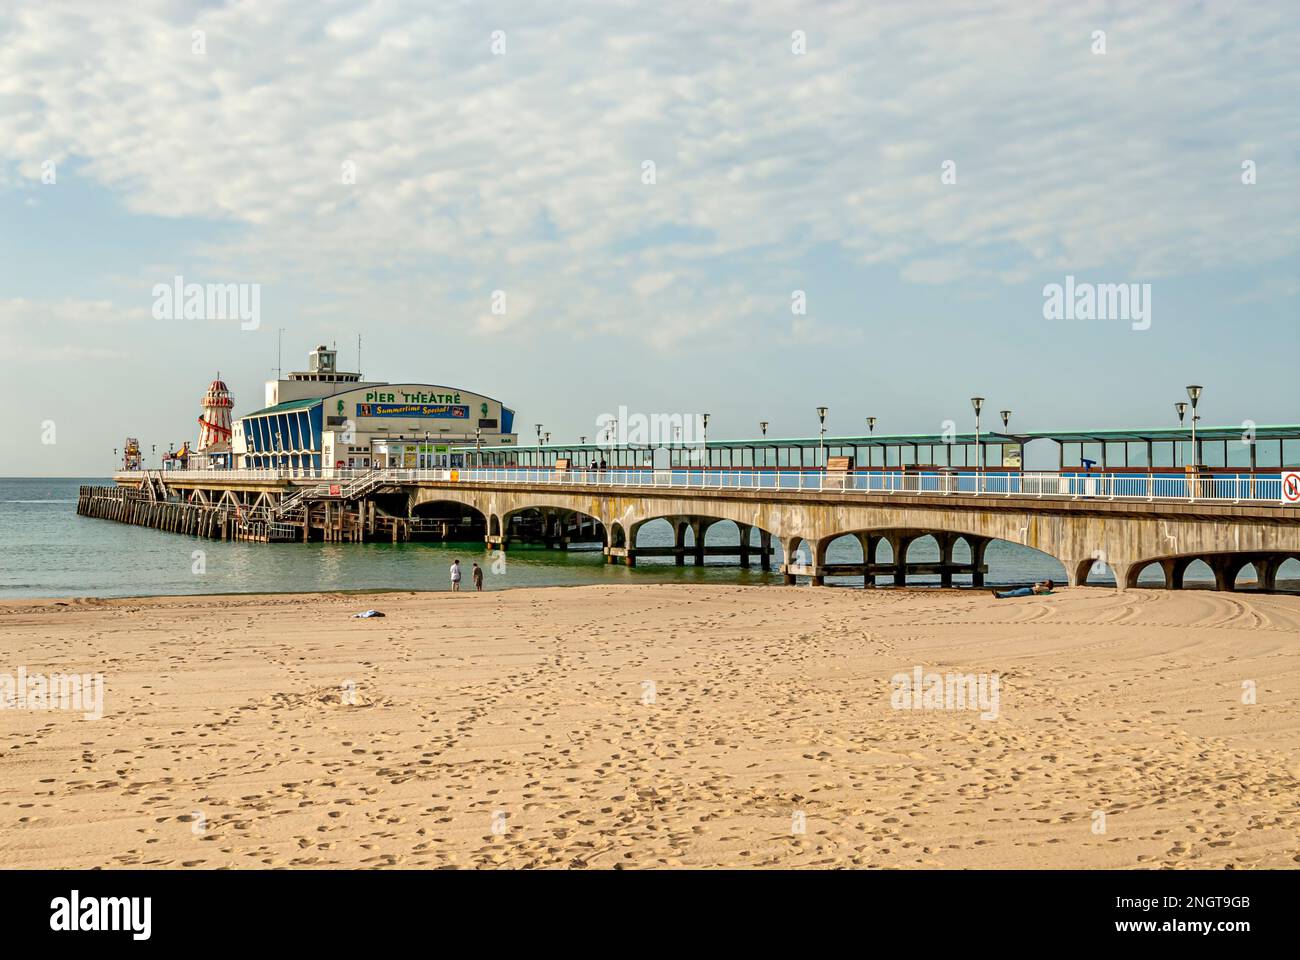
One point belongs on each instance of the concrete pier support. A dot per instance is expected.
(744, 530)
(869, 543)
(1225, 571)
(765, 546)
(789, 558)
(978, 545)
(699, 527)
(898, 544)
(946, 543)
(679, 542)
(1268, 569)
(1174, 570)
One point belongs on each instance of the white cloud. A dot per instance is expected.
(523, 171)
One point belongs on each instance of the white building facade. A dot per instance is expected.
(323, 419)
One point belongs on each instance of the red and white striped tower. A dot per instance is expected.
(214, 425)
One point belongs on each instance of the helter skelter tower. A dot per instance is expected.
(214, 425)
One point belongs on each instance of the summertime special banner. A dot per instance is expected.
(439, 411)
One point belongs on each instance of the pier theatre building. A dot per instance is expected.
(323, 418)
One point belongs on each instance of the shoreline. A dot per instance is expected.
(1287, 588)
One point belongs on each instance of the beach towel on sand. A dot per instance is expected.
(367, 615)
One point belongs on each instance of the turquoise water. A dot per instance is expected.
(46, 550)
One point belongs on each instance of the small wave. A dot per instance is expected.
(38, 501)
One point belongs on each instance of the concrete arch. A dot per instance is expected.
(1224, 568)
(898, 542)
(1076, 533)
(556, 524)
(429, 508)
(469, 498)
(618, 537)
(1256, 568)
(690, 537)
(447, 520)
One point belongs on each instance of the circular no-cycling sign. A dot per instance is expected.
(1291, 487)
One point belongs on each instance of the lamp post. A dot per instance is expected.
(821, 435)
(978, 404)
(762, 426)
(704, 423)
(1181, 407)
(478, 447)
(1194, 393)
(1006, 425)
(871, 424)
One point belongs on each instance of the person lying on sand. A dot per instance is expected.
(1044, 586)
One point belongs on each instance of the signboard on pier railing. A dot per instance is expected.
(1291, 487)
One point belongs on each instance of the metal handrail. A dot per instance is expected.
(1068, 485)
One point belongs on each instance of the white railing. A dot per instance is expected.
(1207, 488)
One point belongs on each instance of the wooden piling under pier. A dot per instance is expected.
(134, 506)
(330, 521)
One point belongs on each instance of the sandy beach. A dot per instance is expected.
(657, 726)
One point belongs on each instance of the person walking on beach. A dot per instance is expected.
(1039, 588)
(455, 575)
(477, 574)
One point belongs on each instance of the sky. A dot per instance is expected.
(749, 209)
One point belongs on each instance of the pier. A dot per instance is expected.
(1119, 523)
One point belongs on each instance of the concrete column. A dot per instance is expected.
(1173, 576)
(977, 547)
(869, 543)
(946, 543)
(789, 551)
(699, 527)
(744, 530)
(765, 544)
(819, 561)
(1268, 569)
(1225, 572)
(898, 544)
(679, 542)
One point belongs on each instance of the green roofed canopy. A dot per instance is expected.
(284, 407)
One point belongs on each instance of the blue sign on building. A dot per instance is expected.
(439, 411)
